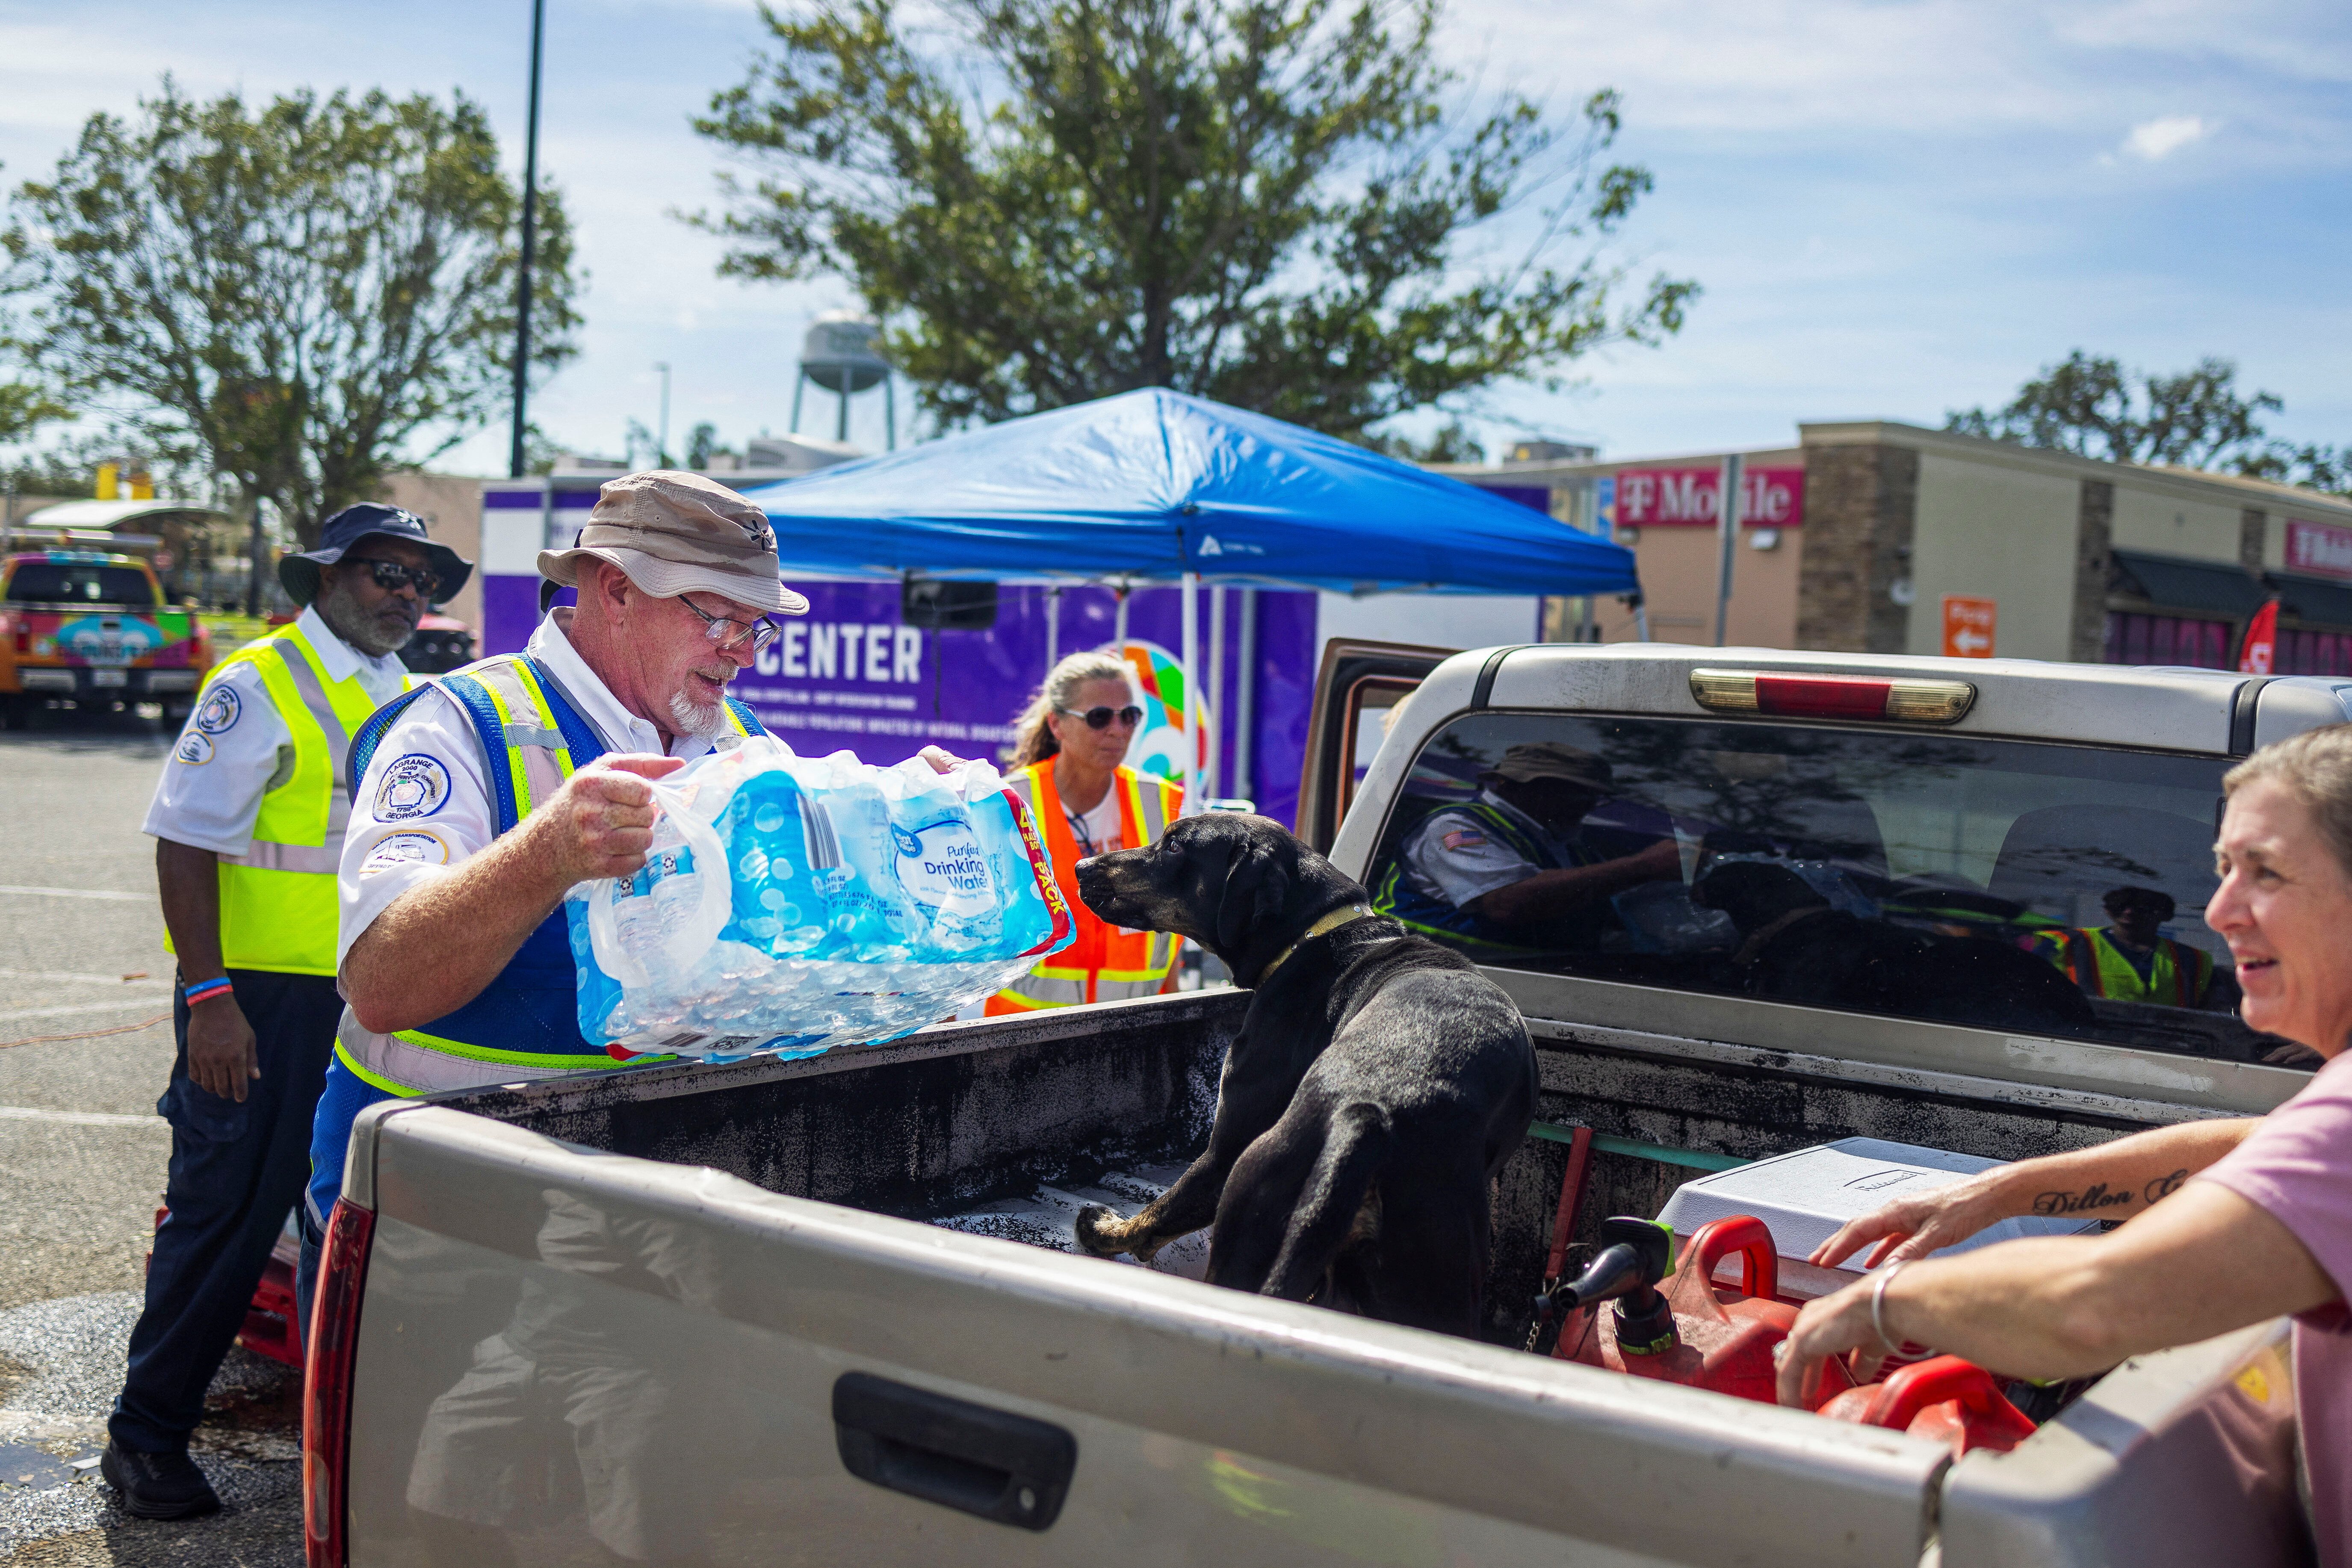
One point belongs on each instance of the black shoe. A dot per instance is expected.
(158, 1486)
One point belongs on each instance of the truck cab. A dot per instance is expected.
(91, 626)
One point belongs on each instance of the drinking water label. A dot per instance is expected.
(943, 868)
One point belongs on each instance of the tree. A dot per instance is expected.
(1266, 202)
(2092, 406)
(295, 296)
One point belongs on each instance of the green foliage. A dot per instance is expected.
(2092, 406)
(295, 295)
(702, 445)
(1266, 202)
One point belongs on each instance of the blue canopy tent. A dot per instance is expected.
(1150, 485)
(1156, 486)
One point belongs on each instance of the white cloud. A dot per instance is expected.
(2160, 138)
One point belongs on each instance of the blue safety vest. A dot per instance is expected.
(525, 1024)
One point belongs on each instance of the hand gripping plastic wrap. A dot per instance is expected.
(789, 905)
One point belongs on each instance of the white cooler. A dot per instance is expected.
(1802, 1198)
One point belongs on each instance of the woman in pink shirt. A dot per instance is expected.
(2251, 1218)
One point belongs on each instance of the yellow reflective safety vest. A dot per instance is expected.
(278, 909)
(2179, 975)
(1103, 963)
(525, 1024)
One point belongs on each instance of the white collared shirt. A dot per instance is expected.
(233, 745)
(1455, 858)
(424, 803)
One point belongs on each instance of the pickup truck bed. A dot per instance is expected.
(670, 1348)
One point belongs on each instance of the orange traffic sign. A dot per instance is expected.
(1969, 626)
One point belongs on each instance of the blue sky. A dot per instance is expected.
(1896, 208)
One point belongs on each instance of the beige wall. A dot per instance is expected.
(1989, 530)
(452, 510)
(1678, 567)
(2155, 518)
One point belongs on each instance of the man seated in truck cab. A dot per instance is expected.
(1519, 871)
(2130, 959)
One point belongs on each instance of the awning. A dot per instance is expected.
(2313, 600)
(2194, 587)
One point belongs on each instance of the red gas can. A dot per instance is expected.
(1943, 1399)
(1688, 1332)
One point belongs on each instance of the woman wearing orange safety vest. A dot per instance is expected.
(1067, 768)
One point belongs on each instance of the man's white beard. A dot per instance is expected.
(706, 724)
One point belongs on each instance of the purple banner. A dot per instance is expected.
(850, 675)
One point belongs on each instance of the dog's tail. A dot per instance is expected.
(1354, 1148)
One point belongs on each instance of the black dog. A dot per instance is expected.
(1377, 1085)
(1795, 948)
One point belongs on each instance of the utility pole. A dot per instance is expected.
(1726, 520)
(661, 441)
(530, 244)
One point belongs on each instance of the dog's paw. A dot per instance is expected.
(1099, 1231)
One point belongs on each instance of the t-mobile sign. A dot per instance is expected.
(1687, 498)
(2323, 549)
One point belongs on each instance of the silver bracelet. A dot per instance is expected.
(1878, 1305)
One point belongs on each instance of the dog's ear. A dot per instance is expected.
(1257, 885)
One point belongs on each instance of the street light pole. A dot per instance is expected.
(661, 441)
(530, 244)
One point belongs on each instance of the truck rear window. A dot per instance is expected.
(2001, 884)
(78, 583)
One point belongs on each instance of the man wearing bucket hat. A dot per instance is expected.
(248, 820)
(488, 793)
(1489, 876)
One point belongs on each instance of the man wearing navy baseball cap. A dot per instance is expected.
(248, 821)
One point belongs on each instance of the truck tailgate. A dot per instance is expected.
(536, 1313)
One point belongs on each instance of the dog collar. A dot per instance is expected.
(1345, 915)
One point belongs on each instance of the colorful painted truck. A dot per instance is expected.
(90, 625)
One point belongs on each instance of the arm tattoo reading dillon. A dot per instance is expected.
(2099, 1195)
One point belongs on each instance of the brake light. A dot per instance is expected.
(327, 1385)
(1860, 696)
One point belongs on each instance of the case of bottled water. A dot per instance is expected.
(789, 905)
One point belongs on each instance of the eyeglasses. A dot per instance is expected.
(1100, 718)
(390, 574)
(730, 634)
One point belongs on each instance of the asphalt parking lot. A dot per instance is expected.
(82, 1159)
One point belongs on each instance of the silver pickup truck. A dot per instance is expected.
(823, 1312)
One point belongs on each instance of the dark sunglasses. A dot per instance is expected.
(1100, 718)
(390, 574)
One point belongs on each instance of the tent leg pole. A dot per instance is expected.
(800, 382)
(1216, 704)
(1118, 617)
(1245, 695)
(1190, 715)
(1052, 628)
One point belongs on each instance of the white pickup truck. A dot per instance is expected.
(817, 1313)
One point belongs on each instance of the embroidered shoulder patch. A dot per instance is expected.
(414, 847)
(196, 749)
(220, 710)
(413, 785)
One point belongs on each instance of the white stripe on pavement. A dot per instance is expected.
(126, 1005)
(77, 893)
(79, 1118)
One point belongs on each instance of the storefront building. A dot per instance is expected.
(1879, 537)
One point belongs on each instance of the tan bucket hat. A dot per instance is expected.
(677, 533)
(1537, 760)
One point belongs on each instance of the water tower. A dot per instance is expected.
(839, 355)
